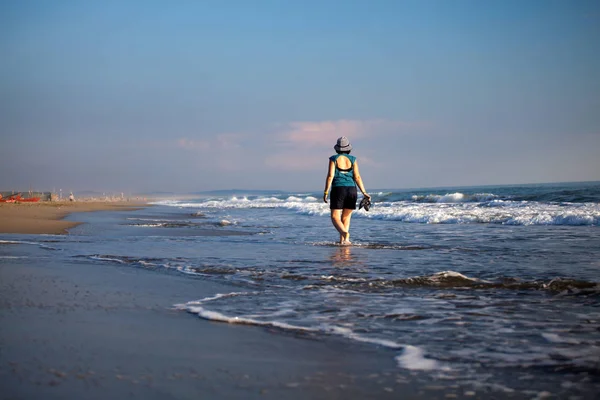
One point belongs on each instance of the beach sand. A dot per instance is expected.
(76, 330)
(73, 330)
(46, 217)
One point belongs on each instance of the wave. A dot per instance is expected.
(455, 198)
(243, 308)
(40, 244)
(379, 311)
(385, 318)
(451, 279)
(376, 246)
(491, 213)
(6, 242)
(411, 357)
(448, 208)
(125, 260)
(455, 280)
(176, 224)
(274, 276)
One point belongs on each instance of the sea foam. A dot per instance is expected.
(413, 358)
(452, 208)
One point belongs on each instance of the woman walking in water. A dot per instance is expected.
(343, 177)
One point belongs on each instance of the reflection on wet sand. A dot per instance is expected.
(342, 257)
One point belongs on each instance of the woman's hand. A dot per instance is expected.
(325, 197)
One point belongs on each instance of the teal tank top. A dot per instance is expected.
(343, 177)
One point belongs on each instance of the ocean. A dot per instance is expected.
(481, 288)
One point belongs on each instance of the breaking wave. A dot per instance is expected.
(278, 277)
(410, 357)
(452, 208)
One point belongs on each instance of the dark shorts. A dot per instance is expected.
(343, 197)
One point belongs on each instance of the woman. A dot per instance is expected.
(343, 177)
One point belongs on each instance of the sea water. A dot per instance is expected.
(490, 288)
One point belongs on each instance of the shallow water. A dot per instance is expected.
(493, 288)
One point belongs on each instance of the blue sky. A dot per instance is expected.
(199, 95)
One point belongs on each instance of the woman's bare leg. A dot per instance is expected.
(336, 219)
(346, 216)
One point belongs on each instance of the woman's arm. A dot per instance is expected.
(328, 180)
(359, 181)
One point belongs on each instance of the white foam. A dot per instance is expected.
(348, 333)
(443, 275)
(452, 198)
(202, 312)
(452, 208)
(452, 274)
(107, 259)
(217, 316)
(412, 358)
(157, 225)
(215, 297)
(16, 242)
(269, 200)
(508, 213)
(455, 198)
(554, 338)
(195, 307)
(166, 202)
(146, 219)
(146, 263)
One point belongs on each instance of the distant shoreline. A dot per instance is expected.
(47, 217)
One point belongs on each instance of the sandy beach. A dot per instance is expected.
(187, 300)
(78, 331)
(72, 330)
(47, 217)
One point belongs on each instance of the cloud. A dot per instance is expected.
(370, 162)
(223, 152)
(228, 141)
(323, 133)
(293, 161)
(224, 141)
(191, 144)
(299, 146)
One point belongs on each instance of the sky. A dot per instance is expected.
(186, 96)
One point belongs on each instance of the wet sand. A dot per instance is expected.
(78, 331)
(47, 217)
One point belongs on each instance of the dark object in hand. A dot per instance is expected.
(366, 203)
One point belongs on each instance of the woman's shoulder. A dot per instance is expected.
(348, 156)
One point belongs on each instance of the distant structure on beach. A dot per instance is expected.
(13, 196)
(25, 195)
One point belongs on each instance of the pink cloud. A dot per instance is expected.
(317, 134)
(325, 133)
(191, 144)
(297, 161)
(370, 162)
(224, 141)
(297, 146)
(229, 140)
(298, 142)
